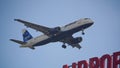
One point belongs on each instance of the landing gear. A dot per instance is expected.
(83, 32)
(64, 46)
(32, 47)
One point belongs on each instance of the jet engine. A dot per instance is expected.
(57, 28)
(76, 40)
(54, 31)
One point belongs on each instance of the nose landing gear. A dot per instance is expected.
(64, 46)
(83, 32)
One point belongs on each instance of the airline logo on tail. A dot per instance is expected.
(26, 35)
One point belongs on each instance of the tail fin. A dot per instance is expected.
(26, 35)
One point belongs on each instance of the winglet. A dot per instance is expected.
(19, 20)
(15, 19)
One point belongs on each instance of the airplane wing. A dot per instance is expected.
(40, 28)
(69, 41)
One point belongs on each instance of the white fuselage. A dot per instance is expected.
(66, 30)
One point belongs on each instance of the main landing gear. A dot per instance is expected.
(64, 46)
(83, 32)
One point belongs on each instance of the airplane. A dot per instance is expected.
(57, 34)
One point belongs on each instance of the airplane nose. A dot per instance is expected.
(91, 23)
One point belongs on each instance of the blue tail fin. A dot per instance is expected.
(26, 35)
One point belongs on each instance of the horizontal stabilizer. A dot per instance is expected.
(17, 41)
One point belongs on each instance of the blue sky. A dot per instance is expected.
(101, 38)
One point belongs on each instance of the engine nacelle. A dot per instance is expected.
(57, 28)
(79, 39)
(54, 31)
(76, 40)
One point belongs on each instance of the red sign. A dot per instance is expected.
(106, 61)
